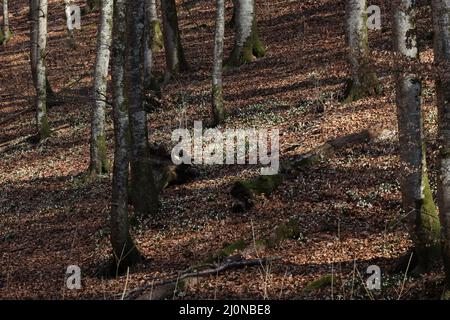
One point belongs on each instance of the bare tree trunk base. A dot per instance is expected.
(5, 37)
(370, 86)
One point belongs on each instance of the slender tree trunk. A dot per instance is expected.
(417, 198)
(217, 88)
(441, 25)
(41, 83)
(124, 249)
(5, 33)
(99, 158)
(145, 197)
(34, 17)
(247, 45)
(153, 42)
(175, 59)
(364, 81)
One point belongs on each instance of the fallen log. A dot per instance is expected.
(245, 191)
(164, 289)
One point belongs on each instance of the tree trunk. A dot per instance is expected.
(124, 250)
(34, 39)
(217, 88)
(420, 210)
(441, 25)
(247, 45)
(34, 17)
(99, 159)
(153, 42)
(145, 197)
(5, 33)
(92, 5)
(175, 59)
(41, 83)
(364, 81)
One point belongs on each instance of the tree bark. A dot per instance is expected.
(364, 81)
(34, 17)
(217, 87)
(145, 197)
(5, 33)
(247, 45)
(417, 199)
(43, 126)
(153, 42)
(124, 250)
(92, 5)
(98, 151)
(175, 59)
(441, 26)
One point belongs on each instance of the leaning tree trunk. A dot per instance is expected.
(421, 215)
(441, 25)
(217, 88)
(43, 127)
(247, 45)
(364, 81)
(175, 59)
(5, 33)
(124, 250)
(99, 158)
(144, 195)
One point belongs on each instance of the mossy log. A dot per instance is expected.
(245, 191)
(320, 283)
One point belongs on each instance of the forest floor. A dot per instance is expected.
(348, 207)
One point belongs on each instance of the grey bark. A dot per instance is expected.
(175, 59)
(420, 210)
(34, 4)
(364, 81)
(441, 26)
(34, 20)
(247, 45)
(217, 87)
(98, 151)
(145, 197)
(43, 127)
(124, 250)
(6, 29)
(151, 18)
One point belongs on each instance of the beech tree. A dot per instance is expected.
(34, 19)
(247, 45)
(124, 250)
(217, 88)
(153, 40)
(175, 59)
(420, 209)
(364, 81)
(98, 151)
(145, 197)
(441, 26)
(5, 31)
(39, 10)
